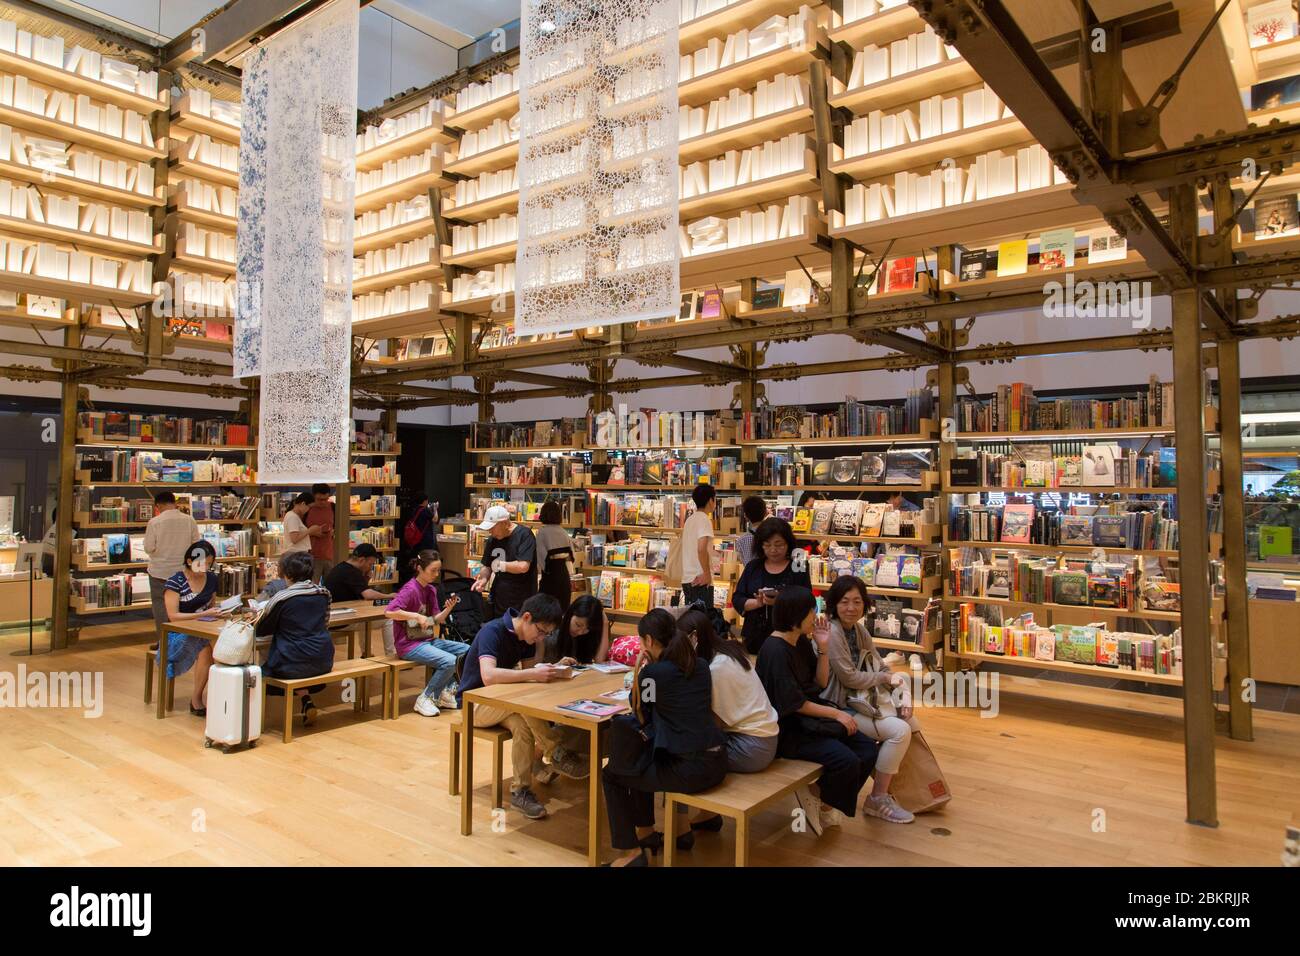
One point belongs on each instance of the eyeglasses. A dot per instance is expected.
(544, 632)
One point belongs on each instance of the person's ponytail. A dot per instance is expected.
(423, 559)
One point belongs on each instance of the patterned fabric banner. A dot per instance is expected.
(598, 175)
(297, 172)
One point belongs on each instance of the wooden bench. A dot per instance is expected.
(168, 684)
(358, 668)
(395, 666)
(497, 736)
(739, 797)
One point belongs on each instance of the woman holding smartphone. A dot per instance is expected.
(416, 606)
(794, 676)
(771, 570)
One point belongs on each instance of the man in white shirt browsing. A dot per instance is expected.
(166, 537)
(697, 547)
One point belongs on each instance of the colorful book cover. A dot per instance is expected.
(823, 512)
(1076, 644)
(1045, 646)
(593, 708)
(1056, 249)
(802, 521)
(1276, 217)
(1099, 465)
(1017, 523)
(711, 305)
(638, 597)
(993, 641)
(1076, 530)
(1070, 587)
(900, 276)
(1274, 541)
(1013, 257)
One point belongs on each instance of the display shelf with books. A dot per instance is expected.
(404, 134)
(862, 22)
(31, 311)
(1103, 255)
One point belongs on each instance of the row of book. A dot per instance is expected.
(112, 590)
(904, 570)
(385, 474)
(378, 506)
(652, 511)
(852, 516)
(1064, 465)
(113, 549)
(1015, 408)
(565, 432)
(1086, 526)
(538, 470)
(971, 633)
(370, 436)
(382, 536)
(136, 466)
(110, 508)
(664, 469)
(1077, 583)
(890, 619)
(643, 553)
(851, 418)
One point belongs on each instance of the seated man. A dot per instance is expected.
(500, 646)
(350, 580)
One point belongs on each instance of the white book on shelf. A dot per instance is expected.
(972, 107)
(887, 200)
(79, 268)
(951, 114)
(908, 133)
(23, 45)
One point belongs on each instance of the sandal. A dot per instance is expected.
(198, 711)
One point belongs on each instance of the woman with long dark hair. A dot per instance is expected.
(583, 634)
(771, 570)
(685, 751)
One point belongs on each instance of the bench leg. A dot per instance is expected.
(453, 761)
(171, 693)
(352, 643)
(288, 715)
(162, 672)
(742, 840)
(149, 665)
(261, 730)
(359, 700)
(670, 841)
(498, 756)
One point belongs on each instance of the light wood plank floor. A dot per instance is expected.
(126, 789)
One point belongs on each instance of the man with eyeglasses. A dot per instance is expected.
(499, 649)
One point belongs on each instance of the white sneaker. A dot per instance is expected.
(447, 700)
(886, 808)
(812, 809)
(425, 707)
(830, 817)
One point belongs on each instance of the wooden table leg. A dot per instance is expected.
(162, 672)
(467, 769)
(742, 840)
(352, 643)
(670, 818)
(365, 641)
(288, 715)
(453, 762)
(594, 792)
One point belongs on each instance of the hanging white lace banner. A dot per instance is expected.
(598, 174)
(294, 245)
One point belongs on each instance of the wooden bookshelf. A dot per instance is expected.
(1078, 549)
(931, 149)
(401, 189)
(79, 563)
(1070, 667)
(485, 160)
(770, 189)
(76, 238)
(128, 445)
(13, 317)
(699, 90)
(946, 76)
(393, 235)
(1034, 278)
(78, 606)
(167, 485)
(797, 119)
(185, 119)
(396, 277)
(482, 209)
(115, 146)
(65, 289)
(355, 518)
(201, 170)
(194, 263)
(482, 115)
(927, 435)
(1087, 609)
(67, 80)
(373, 453)
(203, 217)
(767, 259)
(414, 322)
(1074, 489)
(487, 255)
(697, 32)
(881, 27)
(409, 144)
(65, 182)
(1061, 434)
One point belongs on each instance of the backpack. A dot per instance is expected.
(469, 616)
(411, 534)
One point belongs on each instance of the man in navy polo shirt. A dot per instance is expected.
(500, 646)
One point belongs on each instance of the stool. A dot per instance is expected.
(150, 666)
(497, 736)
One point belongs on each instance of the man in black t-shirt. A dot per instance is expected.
(509, 562)
(350, 580)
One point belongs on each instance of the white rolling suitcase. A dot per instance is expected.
(234, 706)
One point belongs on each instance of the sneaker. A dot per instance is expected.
(830, 817)
(543, 772)
(425, 707)
(812, 809)
(570, 764)
(308, 710)
(447, 700)
(527, 804)
(886, 808)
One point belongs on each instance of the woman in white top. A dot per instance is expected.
(740, 703)
(860, 679)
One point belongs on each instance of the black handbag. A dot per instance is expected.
(630, 749)
(823, 727)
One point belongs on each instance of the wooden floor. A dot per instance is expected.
(127, 789)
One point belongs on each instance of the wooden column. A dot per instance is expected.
(1240, 723)
(945, 380)
(60, 600)
(1193, 560)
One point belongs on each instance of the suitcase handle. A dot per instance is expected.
(249, 683)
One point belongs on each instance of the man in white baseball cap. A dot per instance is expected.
(509, 561)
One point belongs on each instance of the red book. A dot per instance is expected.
(236, 434)
(901, 275)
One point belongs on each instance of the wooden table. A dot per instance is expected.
(366, 613)
(542, 701)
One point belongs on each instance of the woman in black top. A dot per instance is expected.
(768, 572)
(794, 676)
(555, 555)
(583, 635)
(297, 621)
(672, 698)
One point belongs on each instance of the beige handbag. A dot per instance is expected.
(919, 785)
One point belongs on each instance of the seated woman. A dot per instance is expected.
(582, 637)
(740, 704)
(297, 621)
(189, 592)
(672, 694)
(858, 671)
(417, 604)
(794, 676)
(767, 573)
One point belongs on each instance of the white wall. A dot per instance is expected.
(395, 57)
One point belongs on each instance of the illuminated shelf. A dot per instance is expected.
(416, 141)
(758, 260)
(696, 32)
(213, 220)
(392, 235)
(479, 116)
(1069, 667)
(396, 277)
(488, 255)
(402, 189)
(1073, 489)
(26, 228)
(893, 23)
(780, 186)
(700, 90)
(798, 119)
(403, 323)
(11, 317)
(65, 182)
(1111, 612)
(77, 291)
(1034, 278)
(483, 208)
(976, 139)
(481, 304)
(115, 146)
(218, 267)
(486, 160)
(942, 77)
(44, 73)
(201, 170)
(189, 121)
